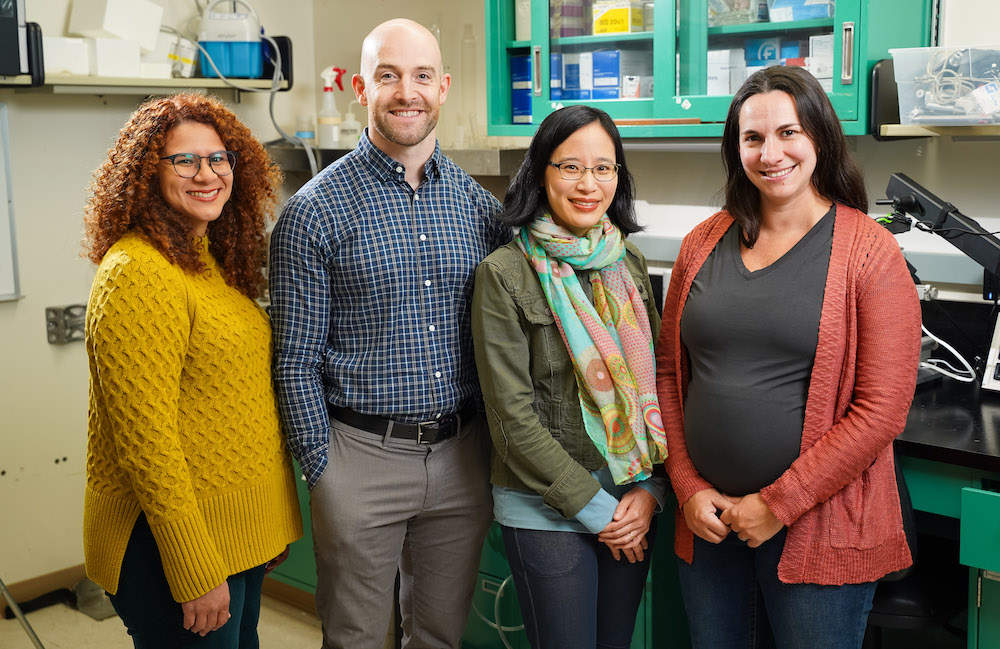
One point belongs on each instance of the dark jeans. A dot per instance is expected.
(155, 620)
(734, 600)
(572, 592)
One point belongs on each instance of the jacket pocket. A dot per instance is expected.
(862, 513)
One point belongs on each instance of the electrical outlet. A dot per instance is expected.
(64, 324)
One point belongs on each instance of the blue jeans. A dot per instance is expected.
(155, 620)
(734, 600)
(571, 590)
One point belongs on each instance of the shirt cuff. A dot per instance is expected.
(657, 488)
(597, 513)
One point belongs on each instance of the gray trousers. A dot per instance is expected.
(384, 504)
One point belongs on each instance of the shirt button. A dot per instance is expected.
(416, 197)
(431, 327)
(427, 282)
(437, 374)
(423, 237)
(399, 170)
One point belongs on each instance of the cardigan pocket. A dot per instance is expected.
(860, 513)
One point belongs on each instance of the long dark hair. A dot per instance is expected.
(837, 176)
(525, 200)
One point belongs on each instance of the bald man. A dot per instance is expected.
(371, 284)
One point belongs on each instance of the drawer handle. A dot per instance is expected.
(847, 54)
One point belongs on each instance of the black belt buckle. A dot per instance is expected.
(435, 430)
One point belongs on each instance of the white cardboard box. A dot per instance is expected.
(131, 20)
(111, 57)
(66, 56)
(726, 71)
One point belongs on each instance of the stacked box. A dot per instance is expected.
(617, 16)
(611, 66)
(520, 89)
(578, 75)
(569, 18)
(726, 71)
(634, 87)
(555, 76)
(820, 62)
(781, 11)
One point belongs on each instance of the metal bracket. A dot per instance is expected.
(65, 324)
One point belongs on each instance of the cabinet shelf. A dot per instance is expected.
(770, 28)
(912, 130)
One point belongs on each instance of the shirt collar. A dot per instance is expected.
(385, 168)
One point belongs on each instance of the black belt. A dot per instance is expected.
(424, 432)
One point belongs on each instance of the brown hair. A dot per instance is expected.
(124, 194)
(837, 176)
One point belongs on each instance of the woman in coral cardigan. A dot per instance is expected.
(786, 363)
(190, 493)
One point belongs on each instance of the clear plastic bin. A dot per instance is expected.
(948, 86)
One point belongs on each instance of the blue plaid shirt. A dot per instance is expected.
(371, 289)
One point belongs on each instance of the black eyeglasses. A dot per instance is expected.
(187, 165)
(573, 171)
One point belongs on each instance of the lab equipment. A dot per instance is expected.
(931, 214)
(232, 41)
(350, 129)
(948, 86)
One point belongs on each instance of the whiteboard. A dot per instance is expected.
(9, 286)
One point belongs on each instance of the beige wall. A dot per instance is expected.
(57, 140)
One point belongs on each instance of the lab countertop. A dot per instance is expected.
(953, 422)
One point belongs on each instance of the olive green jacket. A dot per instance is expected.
(529, 388)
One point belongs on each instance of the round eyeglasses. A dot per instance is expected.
(573, 171)
(187, 165)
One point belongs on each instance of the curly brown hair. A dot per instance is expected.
(124, 193)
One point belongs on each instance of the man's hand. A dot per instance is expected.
(208, 612)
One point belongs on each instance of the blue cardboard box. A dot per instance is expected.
(786, 10)
(762, 49)
(520, 89)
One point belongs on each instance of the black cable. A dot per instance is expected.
(920, 225)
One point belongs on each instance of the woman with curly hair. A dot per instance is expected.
(190, 494)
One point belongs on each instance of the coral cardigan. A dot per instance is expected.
(839, 498)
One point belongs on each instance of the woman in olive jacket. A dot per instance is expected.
(563, 321)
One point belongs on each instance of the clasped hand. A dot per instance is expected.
(712, 515)
(626, 533)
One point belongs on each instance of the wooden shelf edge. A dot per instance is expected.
(912, 130)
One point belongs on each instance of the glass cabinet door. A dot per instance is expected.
(721, 42)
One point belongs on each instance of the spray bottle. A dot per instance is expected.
(328, 121)
(350, 129)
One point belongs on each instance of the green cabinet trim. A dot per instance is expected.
(680, 65)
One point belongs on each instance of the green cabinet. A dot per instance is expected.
(673, 51)
(968, 495)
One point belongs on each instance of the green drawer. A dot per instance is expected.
(980, 535)
(936, 487)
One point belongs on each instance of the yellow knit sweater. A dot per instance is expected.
(183, 423)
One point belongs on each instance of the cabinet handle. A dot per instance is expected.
(536, 57)
(847, 54)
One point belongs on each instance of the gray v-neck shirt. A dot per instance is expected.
(751, 340)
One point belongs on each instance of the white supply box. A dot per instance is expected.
(66, 56)
(130, 20)
(726, 71)
(611, 66)
(111, 57)
(578, 75)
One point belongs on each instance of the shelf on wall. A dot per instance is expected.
(475, 162)
(913, 130)
(80, 85)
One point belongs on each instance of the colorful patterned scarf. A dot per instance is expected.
(610, 341)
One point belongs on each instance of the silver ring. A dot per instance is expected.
(631, 536)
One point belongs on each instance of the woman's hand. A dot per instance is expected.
(277, 561)
(701, 514)
(752, 520)
(628, 527)
(208, 612)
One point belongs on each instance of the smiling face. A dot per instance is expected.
(776, 153)
(579, 204)
(201, 198)
(401, 84)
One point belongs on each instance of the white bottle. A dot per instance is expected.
(328, 121)
(350, 129)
